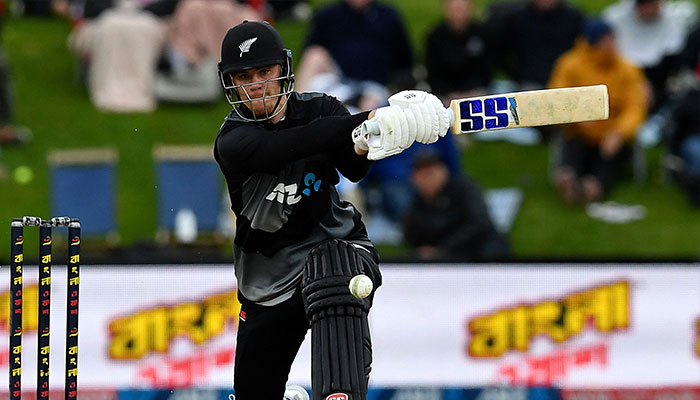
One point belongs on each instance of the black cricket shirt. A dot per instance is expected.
(281, 180)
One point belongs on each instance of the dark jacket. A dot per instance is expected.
(458, 61)
(369, 45)
(457, 223)
(529, 41)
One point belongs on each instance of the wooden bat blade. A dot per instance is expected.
(530, 108)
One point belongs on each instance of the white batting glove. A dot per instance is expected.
(432, 119)
(389, 132)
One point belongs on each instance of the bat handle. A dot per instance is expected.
(450, 115)
(372, 127)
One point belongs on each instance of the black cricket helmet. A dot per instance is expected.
(249, 45)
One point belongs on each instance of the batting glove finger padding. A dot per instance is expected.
(442, 113)
(405, 136)
(384, 141)
(429, 123)
(387, 143)
(422, 114)
(413, 102)
(411, 126)
(435, 105)
(425, 106)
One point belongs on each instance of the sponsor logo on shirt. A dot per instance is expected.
(287, 194)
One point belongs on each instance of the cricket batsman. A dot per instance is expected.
(297, 244)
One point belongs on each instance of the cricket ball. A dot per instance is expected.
(360, 286)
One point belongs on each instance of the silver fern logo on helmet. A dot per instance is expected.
(245, 46)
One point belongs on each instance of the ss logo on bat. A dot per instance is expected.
(489, 113)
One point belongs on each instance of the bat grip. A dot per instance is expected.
(372, 127)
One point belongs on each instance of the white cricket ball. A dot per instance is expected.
(360, 286)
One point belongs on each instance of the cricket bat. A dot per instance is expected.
(529, 108)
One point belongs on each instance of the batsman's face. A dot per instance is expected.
(256, 85)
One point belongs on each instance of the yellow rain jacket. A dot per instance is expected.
(584, 65)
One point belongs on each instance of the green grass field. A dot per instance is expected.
(59, 112)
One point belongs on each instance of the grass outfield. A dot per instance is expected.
(60, 114)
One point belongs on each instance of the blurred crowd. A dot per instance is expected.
(645, 51)
(10, 134)
(133, 54)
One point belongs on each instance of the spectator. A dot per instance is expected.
(449, 220)
(388, 186)
(354, 49)
(121, 48)
(193, 46)
(595, 152)
(651, 34)
(458, 56)
(531, 35)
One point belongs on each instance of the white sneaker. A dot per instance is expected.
(295, 392)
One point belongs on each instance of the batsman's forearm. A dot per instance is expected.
(260, 150)
(353, 166)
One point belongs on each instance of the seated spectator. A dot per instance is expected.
(193, 48)
(388, 182)
(449, 220)
(531, 35)
(354, 50)
(595, 152)
(458, 56)
(121, 48)
(651, 34)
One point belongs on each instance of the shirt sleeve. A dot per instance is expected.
(252, 148)
(353, 166)
(350, 164)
